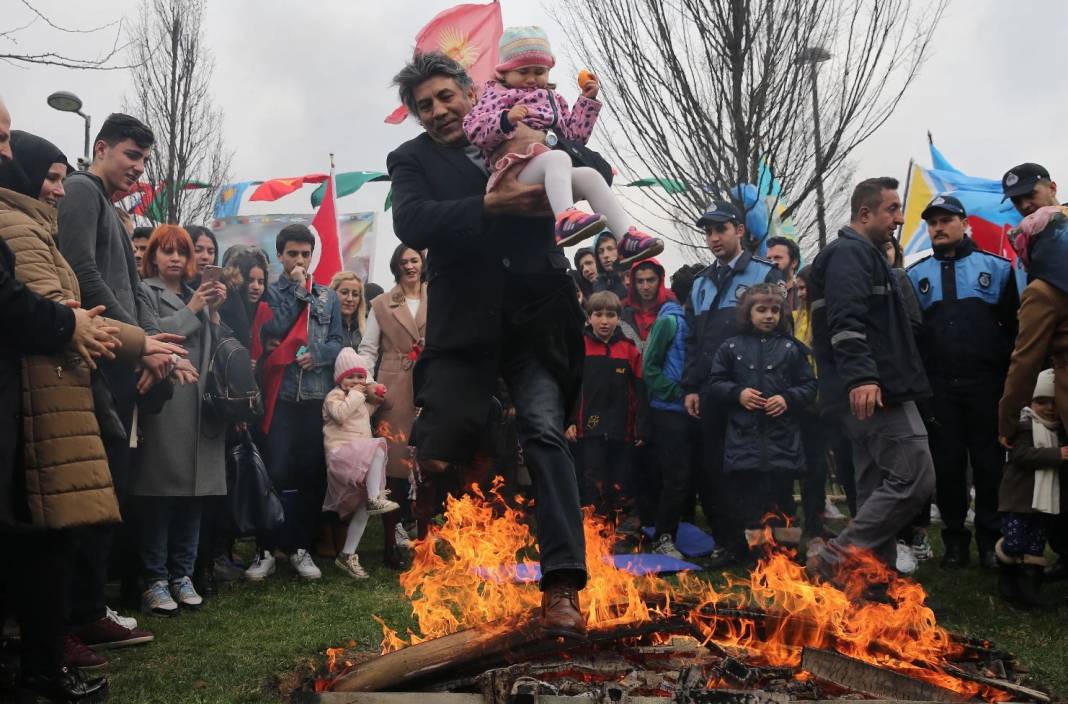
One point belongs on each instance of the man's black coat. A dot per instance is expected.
(496, 286)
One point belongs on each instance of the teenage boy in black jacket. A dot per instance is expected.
(871, 375)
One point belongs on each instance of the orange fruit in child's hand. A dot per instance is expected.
(585, 77)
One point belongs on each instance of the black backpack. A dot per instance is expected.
(231, 389)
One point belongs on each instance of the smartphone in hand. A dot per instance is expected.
(211, 274)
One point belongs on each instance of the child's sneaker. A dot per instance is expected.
(350, 565)
(574, 225)
(636, 246)
(381, 504)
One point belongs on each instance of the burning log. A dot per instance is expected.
(859, 676)
(472, 649)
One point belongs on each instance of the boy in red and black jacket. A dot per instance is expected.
(612, 416)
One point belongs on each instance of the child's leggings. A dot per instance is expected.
(1024, 534)
(376, 478)
(563, 182)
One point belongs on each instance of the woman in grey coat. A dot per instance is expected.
(181, 457)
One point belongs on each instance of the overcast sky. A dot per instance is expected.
(297, 80)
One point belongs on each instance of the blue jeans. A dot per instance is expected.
(170, 533)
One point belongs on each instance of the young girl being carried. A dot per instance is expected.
(764, 378)
(355, 461)
(521, 93)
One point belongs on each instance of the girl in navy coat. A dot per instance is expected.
(764, 378)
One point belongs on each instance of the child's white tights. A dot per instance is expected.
(564, 182)
(376, 478)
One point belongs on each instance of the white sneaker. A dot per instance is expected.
(305, 566)
(906, 561)
(261, 568)
(666, 546)
(381, 504)
(402, 539)
(921, 547)
(185, 594)
(936, 515)
(831, 511)
(350, 565)
(124, 621)
(157, 599)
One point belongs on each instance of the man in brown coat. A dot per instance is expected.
(1043, 319)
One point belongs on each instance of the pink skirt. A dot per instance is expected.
(346, 474)
(513, 160)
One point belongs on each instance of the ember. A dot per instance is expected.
(651, 634)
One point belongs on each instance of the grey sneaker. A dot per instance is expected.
(921, 547)
(666, 546)
(185, 594)
(350, 565)
(157, 600)
(305, 566)
(403, 541)
(261, 568)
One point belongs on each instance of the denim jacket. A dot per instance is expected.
(325, 335)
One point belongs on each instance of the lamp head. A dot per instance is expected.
(65, 101)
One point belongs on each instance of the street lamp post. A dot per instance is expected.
(65, 101)
(812, 56)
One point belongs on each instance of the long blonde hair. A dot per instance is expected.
(361, 308)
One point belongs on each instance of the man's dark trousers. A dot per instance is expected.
(964, 430)
(677, 447)
(297, 467)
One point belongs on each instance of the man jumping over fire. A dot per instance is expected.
(499, 302)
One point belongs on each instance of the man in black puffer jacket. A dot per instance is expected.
(871, 375)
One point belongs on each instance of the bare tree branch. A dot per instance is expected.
(706, 91)
(171, 94)
(103, 62)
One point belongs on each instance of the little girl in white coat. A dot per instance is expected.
(355, 461)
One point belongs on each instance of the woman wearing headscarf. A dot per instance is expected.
(67, 485)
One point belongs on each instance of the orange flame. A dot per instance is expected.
(462, 577)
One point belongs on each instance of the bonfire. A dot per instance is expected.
(473, 609)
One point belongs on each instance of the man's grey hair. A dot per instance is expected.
(422, 68)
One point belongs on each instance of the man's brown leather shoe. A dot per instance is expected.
(560, 613)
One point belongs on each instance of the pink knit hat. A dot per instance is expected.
(348, 363)
(524, 46)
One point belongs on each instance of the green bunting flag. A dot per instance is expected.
(668, 184)
(347, 183)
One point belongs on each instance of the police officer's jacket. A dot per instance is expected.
(969, 302)
(860, 328)
(713, 312)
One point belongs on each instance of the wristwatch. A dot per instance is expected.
(551, 140)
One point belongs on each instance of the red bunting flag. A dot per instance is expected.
(278, 187)
(467, 33)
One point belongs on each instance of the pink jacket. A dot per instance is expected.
(483, 123)
(347, 416)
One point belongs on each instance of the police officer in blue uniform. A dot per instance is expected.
(969, 299)
(713, 313)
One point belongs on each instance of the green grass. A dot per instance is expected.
(238, 647)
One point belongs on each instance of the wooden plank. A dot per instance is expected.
(858, 676)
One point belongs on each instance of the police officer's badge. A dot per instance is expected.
(984, 279)
(740, 291)
(925, 286)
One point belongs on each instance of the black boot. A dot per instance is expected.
(1008, 581)
(204, 577)
(65, 685)
(1030, 585)
(957, 542)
